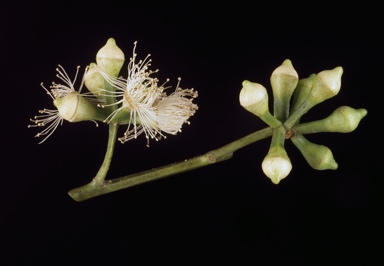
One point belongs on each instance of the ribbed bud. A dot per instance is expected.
(344, 119)
(110, 58)
(283, 80)
(254, 98)
(75, 108)
(277, 165)
(319, 157)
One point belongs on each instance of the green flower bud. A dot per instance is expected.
(75, 108)
(325, 85)
(302, 91)
(110, 58)
(254, 98)
(283, 80)
(94, 81)
(344, 119)
(277, 165)
(319, 157)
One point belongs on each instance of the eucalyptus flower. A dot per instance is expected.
(71, 104)
(144, 106)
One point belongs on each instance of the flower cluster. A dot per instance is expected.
(292, 98)
(137, 101)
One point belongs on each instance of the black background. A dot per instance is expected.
(219, 212)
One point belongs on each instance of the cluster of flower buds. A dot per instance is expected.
(137, 101)
(292, 98)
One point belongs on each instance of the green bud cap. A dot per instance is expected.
(319, 157)
(326, 85)
(75, 108)
(254, 98)
(302, 91)
(110, 58)
(344, 119)
(94, 81)
(283, 80)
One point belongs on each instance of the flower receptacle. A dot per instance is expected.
(75, 108)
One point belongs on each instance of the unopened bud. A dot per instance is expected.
(283, 80)
(110, 58)
(94, 81)
(326, 85)
(277, 165)
(344, 119)
(254, 98)
(319, 157)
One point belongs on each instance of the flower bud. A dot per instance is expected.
(326, 85)
(254, 98)
(344, 119)
(302, 91)
(94, 81)
(75, 108)
(277, 165)
(283, 80)
(110, 58)
(319, 157)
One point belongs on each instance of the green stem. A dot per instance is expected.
(225, 152)
(297, 114)
(102, 173)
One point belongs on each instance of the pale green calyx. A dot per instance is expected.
(254, 98)
(277, 165)
(319, 157)
(110, 58)
(283, 80)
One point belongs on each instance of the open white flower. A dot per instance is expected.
(174, 110)
(71, 105)
(143, 104)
